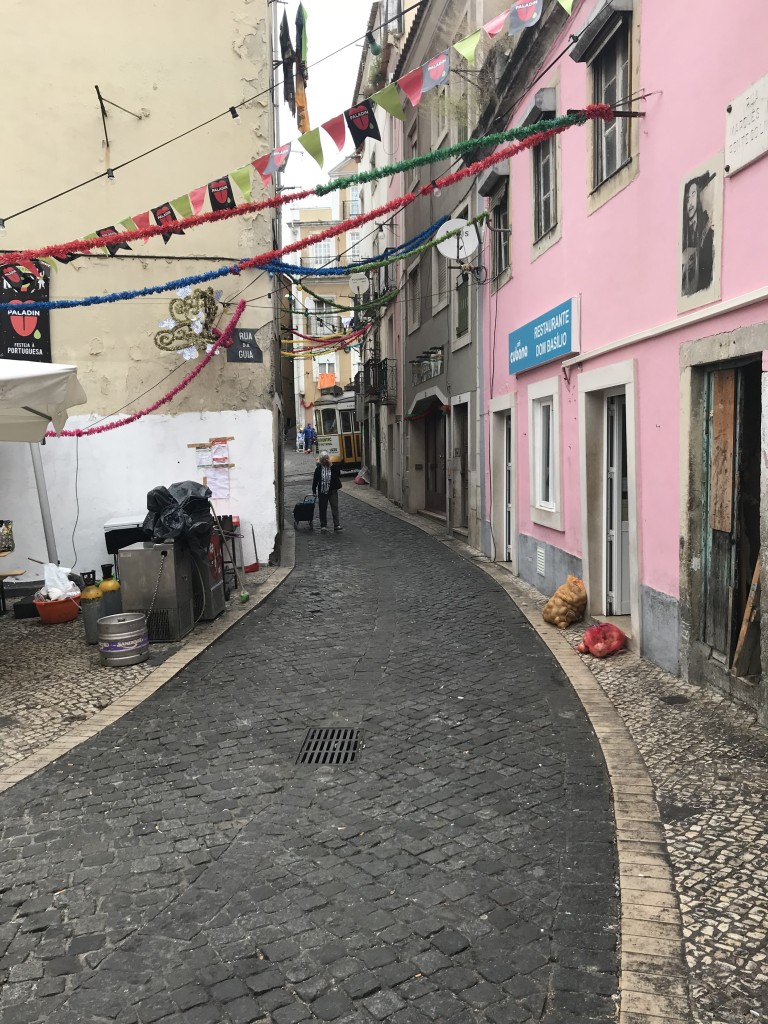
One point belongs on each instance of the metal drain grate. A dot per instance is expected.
(675, 698)
(330, 746)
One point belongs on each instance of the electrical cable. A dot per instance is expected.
(203, 124)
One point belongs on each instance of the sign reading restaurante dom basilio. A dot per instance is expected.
(552, 335)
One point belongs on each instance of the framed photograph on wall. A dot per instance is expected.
(701, 235)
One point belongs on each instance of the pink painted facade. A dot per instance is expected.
(623, 260)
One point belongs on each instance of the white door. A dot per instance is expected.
(617, 508)
(509, 491)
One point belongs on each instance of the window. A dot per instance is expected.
(326, 319)
(319, 254)
(372, 163)
(545, 188)
(413, 149)
(500, 231)
(414, 298)
(544, 452)
(610, 84)
(354, 201)
(461, 119)
(440, 115)
(353, 242)
(439, 281)
(324, 364)
(462, 305)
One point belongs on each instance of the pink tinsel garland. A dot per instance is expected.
(224, 340)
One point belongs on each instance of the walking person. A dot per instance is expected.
(326, 484)
(310, 435)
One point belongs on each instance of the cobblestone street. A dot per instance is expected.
(180, 866)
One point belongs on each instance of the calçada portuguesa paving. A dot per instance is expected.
(180, 866)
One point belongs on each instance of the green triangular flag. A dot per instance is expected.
(50, 261)
(242, 178)
(389, 99)
(103, 248)
(467, 46)
(129, 224)
(313, 144)
(182, 206)
(567, 4)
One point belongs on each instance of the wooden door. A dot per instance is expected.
(434, 443)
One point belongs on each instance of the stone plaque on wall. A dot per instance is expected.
(746, 127)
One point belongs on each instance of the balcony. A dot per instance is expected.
(352, 208)
(428, 365)
(380, 381)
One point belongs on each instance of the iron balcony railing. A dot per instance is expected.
(428, 365)
(380, 381)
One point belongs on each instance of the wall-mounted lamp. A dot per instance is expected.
(111, 176)
(235, 115)
(2, 226)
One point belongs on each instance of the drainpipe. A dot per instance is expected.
(45, 508)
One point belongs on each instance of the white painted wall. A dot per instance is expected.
(117, 469)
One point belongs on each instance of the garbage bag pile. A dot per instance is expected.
(602, 640)
(180, 512)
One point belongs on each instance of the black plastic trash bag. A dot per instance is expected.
(180, 512)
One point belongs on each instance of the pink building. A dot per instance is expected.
(625, 321)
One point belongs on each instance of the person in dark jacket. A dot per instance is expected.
(310, 436)
(326, 484)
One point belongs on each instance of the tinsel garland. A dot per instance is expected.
(224, 340)
(322, 346)
(601, 111)
(361, 307)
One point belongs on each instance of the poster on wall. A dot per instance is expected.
(25, 333)
(701, 236)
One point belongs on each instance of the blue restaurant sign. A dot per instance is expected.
(550, 336)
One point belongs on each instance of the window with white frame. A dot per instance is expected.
(353, 246)
(461, 112)
(545, 188)
(439, 281)
(412, 149)
(544, 452)
(440, 115)
(413, 297)
(500, 230)
(324, 364)
(326, 319)
(319, 254)
(611, 84)
(354, 201)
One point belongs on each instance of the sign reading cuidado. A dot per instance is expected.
(550, 336)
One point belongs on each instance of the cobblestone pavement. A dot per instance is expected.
(51, 678)
(180, 867)
(708, 762)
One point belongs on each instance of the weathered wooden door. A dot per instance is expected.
(434, 443)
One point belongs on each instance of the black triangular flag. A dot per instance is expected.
(165, 215)
(362, 123)
(221, 195)
(288, 57)
(112, 249)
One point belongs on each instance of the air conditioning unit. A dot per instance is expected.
(142, 569)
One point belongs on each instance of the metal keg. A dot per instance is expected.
(123, 639)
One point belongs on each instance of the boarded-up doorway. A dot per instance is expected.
(731, 514)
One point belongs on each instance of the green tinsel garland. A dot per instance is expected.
(457, 149)
(383, 300)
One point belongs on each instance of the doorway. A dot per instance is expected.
(434, 444)
(460, 416)
(509, 491)
(731, 516)
(617, 599)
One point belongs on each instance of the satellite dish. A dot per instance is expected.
(461, 246)
(358, 284)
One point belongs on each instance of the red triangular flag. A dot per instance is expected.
(197, 198)
(411, 84)
(260, 165)
(142, 222)
(337, 129)
(495, 25)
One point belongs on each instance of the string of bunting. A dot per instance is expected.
(445, 409)
(173, 216)
(224, 340)
(602, 111)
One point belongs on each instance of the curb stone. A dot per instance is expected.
(131, 698)
(653, 980)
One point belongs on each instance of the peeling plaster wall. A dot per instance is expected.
(179, 62)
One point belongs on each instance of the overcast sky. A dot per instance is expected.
(331, 24)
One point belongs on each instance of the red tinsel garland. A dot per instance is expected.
(224, 340)
(599, 111)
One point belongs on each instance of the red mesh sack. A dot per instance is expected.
(602, 640)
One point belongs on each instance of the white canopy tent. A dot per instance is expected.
(34, 396)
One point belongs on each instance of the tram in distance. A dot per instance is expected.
(338, 429)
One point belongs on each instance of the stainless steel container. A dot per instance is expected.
(123, 639)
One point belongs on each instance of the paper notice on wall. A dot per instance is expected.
(220, 453)
(204, 457)
(217, 479)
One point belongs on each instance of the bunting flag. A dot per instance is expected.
(524, 14)
(436, 71)
(313, 144)
(242, 178)
(197, 198)
(495, 25)
(288, 58)
(567, 4)
(164, 215)
(102, 249)
(182, 206)
(466, 47)
(337, 130)
(112, 249)
(362, 123)
(221, 195)
(302, 113)
(138, 222)
(411, 85)
(389, 100)
(272, 162)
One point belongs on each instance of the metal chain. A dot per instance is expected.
(163, 557)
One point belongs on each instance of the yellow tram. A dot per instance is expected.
(338, 429)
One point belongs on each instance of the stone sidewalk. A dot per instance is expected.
(709, 767)
(180, 866)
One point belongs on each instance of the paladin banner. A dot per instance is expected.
(164, 215)
(25, 333)
(221, 195)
